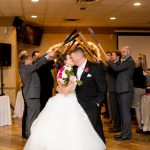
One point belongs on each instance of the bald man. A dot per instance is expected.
(124, 89)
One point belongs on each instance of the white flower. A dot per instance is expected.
(64, 74)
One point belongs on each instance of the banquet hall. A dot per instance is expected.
(98, 26)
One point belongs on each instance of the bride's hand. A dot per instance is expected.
(73, 79)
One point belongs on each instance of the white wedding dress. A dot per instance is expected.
(63, 125)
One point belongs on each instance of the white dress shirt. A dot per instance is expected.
(80, 70)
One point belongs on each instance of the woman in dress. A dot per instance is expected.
(139, 81)
(63, 124)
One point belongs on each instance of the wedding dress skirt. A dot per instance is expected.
(63, 125)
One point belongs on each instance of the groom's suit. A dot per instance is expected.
(91, 93)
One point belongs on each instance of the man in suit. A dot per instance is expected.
(21, 53)
(31, 87)
(91, 93)
(46, 79)
(124, 89)
(113, 97)
(108, 111)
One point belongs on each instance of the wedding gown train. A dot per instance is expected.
(63, 125)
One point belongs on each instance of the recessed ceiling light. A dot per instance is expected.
(112, 18)
(34, 16)
(137, 4)
(35, 0)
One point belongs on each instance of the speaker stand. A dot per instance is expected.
(2, 85)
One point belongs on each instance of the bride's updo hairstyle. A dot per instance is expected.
(60, 61)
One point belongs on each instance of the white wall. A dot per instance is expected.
(138, 44)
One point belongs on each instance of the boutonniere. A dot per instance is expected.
(86, 69)
(79, 82)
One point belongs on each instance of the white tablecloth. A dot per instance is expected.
(5, 111)
(145, 111)
(19, 106)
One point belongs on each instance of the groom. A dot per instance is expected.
(91, 93)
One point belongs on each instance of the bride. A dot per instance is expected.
(63, 124)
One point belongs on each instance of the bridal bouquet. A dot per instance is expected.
(66, 74)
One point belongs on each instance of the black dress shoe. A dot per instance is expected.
(123, 137)
(144, 132)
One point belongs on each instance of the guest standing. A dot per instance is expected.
(124, 89)
(21, 53)
(31, 87)
(113, 96)
(139, 82)
(46, 79)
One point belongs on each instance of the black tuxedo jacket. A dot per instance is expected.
(45, 75)
(93, 87)
(47, 82)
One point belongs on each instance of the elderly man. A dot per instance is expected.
(124, 89)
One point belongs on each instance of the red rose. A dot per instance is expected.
(62, 69)
(60, 75)
(86, 69)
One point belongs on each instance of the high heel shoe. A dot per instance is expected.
(139, 130)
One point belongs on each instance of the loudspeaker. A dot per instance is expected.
(17, 22)
(5, 54)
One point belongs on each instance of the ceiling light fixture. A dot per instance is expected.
(137, 4)
(112, 18)
(33, 16)
(35, 1)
